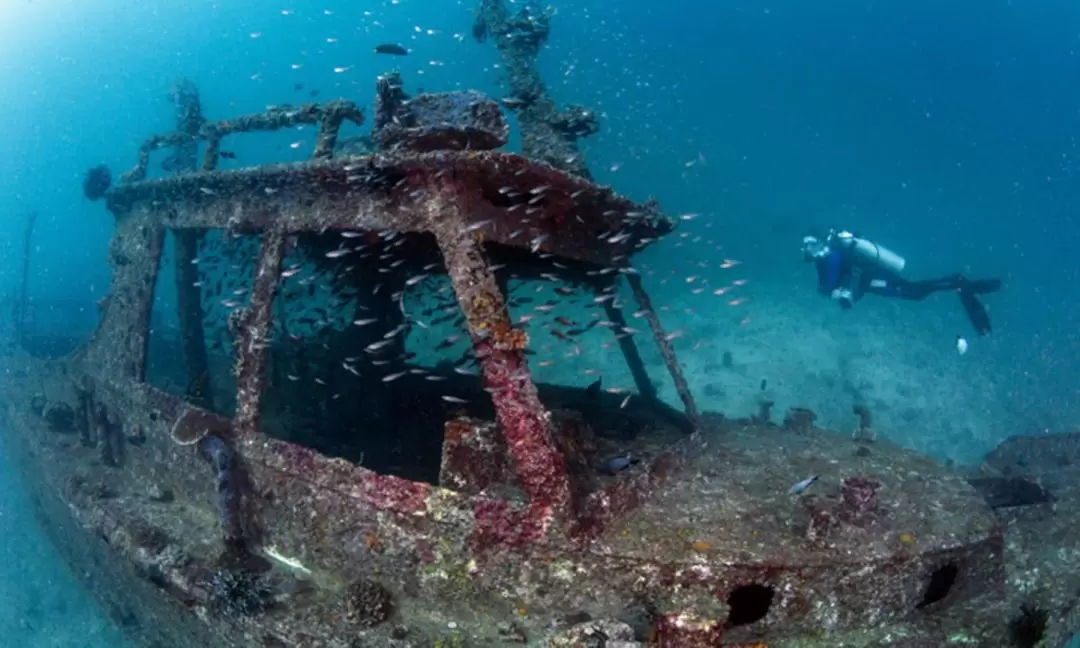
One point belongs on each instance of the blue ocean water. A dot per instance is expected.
(946, 131)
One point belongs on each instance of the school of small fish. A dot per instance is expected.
(402, 313)
(407, 313)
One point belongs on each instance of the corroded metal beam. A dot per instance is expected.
(664, 343)
(514, 201)
(330, 117)
(252, 327)
(524, 421)
(628, 347)
(546, 133)
(189, 119)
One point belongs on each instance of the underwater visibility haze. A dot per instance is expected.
(577, 323)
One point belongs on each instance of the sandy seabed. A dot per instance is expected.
(41, 603)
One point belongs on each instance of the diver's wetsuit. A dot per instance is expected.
(839, 270)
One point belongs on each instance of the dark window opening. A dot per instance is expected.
(941, 582)
(592, 356)
(369, 355)
(200, 285)
(366, 340)
(1028, 628)
(749, 604)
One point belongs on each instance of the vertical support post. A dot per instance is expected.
(253, 330)
(628, 347)
(103, 433)
(519, 38)
(329, 126)
(85, 417)
(189, 304)
(523, 420)
(681, 386)
(189, 120)
(23, 305)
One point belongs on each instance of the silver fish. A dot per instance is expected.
(801, 487)
(375, 346)
(478, 225)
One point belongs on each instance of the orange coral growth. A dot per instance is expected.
(456, 430)
(484, 304)
(507, 338)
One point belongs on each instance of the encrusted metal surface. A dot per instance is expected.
(451, 557)
(507, 199)
(461, 120)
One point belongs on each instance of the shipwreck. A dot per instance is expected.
(258, 445)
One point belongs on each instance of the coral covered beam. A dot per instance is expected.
(524, 421)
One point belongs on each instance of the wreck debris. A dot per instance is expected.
(367, 603)
(864, 431)
(464, 119)
(594, 632)
(764, 413)
(474, 456)
(238, 593)
(859, 498)
(822, 518)
(546, 133)
(856, 506)
(97, 182)
(214, 449)
(799, 419)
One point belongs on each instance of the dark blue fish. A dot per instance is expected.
(391, 48)
(617, 464)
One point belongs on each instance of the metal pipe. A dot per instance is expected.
(252, 326)
(662, 341)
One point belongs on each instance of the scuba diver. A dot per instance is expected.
(848, 267)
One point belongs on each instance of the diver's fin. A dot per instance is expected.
(981, 286)
(976, 312)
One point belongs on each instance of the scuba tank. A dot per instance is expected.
(869, 251)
